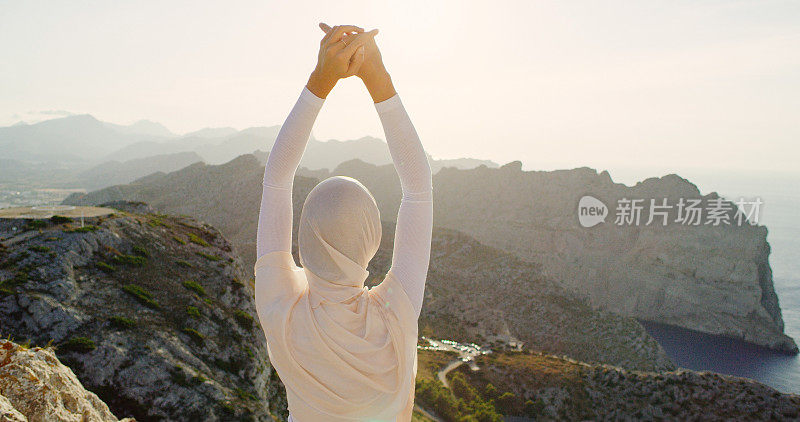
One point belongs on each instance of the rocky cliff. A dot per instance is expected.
(484, 292)
(714, 279)
(35, 386)
(152, 312)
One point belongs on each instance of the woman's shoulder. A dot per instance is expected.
(391, 294)
(277, 279)
(275, 259)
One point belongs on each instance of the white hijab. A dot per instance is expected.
(344, 352)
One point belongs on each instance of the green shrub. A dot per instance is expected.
(10, 262)
(60, 219)
(36, 224)
(6, 291)
(196, 239)
(533, 408)
(141, 251)
(38, 248)
(183, 263)
(78, 344)
(198, 379)
(122, 322)
(192, 311)
(156, 221)
(178, 376)
(130, 260)
(461, 387)
(244, 395)
(84, 229)
(194, 334)
(142, 295)
(209, 256)
(105, 267)
(20, 277)
(195, 286)
(232, 366)
(506, 402)
(179, 240)
(490, 391)
(243, 318)
(227, 407)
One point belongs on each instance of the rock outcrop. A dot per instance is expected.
(152, 312)
(35, 386)
(714, 279)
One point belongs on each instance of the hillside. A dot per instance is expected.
(115, 172)
(713, 279)
(152, 312)
(537, 387)
(490, 294)
(674, 274)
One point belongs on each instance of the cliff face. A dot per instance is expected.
(152, 312)
(35, 386)
(714, 279)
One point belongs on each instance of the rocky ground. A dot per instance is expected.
(35, 386)
(152, 312)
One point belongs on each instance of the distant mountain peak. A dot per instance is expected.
(211, 132)
(143, 127)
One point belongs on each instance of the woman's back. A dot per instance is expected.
(351, 359)
(344, 352)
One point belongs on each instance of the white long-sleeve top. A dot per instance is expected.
(413, 231)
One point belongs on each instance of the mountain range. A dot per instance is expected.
(710, 279)
(80, 151)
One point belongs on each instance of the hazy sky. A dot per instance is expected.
(555, 84)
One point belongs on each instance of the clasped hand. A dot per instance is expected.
(346, 50)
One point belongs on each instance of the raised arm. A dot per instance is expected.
(275, 214)
(338, 58)
(412, 239)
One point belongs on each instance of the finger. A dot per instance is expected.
(357, 61)
(327, 37)
(325, 27)
(339, 30)
(357, 41)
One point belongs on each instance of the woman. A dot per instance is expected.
(344, 352)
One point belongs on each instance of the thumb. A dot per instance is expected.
(356, 62)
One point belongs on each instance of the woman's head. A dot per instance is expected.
(340, 230)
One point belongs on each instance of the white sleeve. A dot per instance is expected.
(275, 214)
(412, 239)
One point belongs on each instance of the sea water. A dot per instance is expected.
(780, 212)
